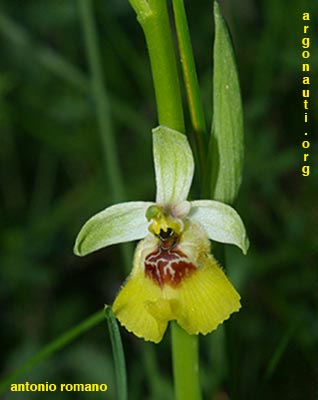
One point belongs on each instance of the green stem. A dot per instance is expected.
(156, 27)
(185, 364)
(190, 79)
(155, 23)
(54, 346)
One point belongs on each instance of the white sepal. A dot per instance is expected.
(174, 165)
(116, 224)
(220, 221)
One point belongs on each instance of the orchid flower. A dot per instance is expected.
(174, 275)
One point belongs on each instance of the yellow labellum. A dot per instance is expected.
(202, 301)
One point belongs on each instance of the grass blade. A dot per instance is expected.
(53, 347)
(118, 353)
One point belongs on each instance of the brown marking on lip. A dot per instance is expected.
(168, 266)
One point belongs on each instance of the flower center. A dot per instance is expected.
(168, 266)
(163, 224)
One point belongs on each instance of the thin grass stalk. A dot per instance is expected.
(54, 346)
(190, 80)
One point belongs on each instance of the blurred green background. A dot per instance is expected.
(53, 178)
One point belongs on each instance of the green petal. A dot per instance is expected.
(116, 224)
(221, 222)
(174, 165)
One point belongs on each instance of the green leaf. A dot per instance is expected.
(174, 165)
(220, 221)
(118, 353)
(226, 145)
(120, 223)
